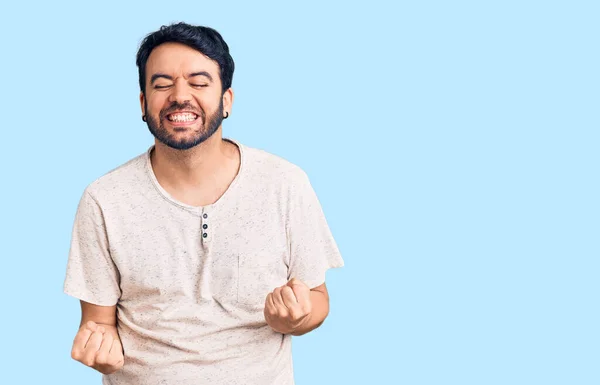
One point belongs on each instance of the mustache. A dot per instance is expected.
(175, 107)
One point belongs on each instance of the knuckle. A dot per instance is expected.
(76, 354)
(88, 361)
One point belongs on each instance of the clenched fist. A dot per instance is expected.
(288, 307)
(96, 347)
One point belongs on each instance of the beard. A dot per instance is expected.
(206, 130)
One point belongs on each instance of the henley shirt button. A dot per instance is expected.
(205, 226)
(205, 235)
(205, 216)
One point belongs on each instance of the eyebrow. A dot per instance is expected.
(158, 76)
(168, 77)
(201, 73)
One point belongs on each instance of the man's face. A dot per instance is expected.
(183, 102)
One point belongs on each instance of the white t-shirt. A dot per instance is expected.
(190, 282)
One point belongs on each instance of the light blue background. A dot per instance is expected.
(453, 146)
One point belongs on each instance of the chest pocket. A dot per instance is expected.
(258, 274)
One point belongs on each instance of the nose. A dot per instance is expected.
(181, 92)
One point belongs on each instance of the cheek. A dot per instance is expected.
(155, 103)
(209, 101)
(210, 106)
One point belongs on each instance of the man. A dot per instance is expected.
(196, 261)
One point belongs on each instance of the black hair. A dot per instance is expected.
(203, 39)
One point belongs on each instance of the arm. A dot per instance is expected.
(92, 275)
(301, 306)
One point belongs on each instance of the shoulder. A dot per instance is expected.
(119, 180)
(274, 168)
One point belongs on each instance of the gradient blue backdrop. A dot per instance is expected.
(453, 145)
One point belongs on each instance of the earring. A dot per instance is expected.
(144, 118)
(226, 115)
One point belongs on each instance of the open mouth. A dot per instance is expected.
(182, 118)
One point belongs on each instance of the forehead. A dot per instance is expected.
(177, 59)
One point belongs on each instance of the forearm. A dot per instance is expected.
(320, 310)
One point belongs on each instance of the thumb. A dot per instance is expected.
(301, 290)
(91, 326)
(295, 282)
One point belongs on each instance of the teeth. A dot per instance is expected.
(182, 117)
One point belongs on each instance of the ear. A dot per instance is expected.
(228, 100)
(142, 104)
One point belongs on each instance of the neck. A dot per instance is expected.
(194, 167)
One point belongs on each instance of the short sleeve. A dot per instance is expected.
(91, 273)
(313, 250)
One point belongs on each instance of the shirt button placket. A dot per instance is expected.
(204, 225)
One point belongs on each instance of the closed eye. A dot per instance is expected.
(200, 85)
(161, 87)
